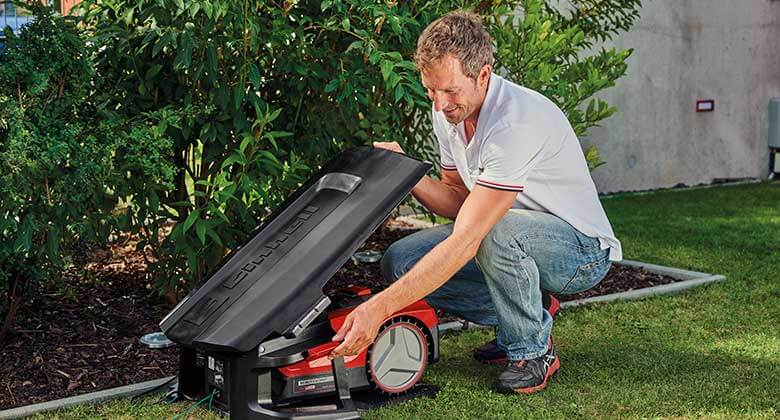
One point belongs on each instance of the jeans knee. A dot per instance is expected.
(393, 264)
(499, 241)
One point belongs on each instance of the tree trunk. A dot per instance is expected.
(10, 315)
(170, 297)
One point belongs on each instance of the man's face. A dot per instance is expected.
(451, 91)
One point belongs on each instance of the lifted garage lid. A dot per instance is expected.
(272, 285)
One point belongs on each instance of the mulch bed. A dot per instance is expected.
(85, 338)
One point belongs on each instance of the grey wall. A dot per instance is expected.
(684, 50)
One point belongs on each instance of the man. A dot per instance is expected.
(527, 214)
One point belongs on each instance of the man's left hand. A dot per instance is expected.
(358, 331)
(391, 146)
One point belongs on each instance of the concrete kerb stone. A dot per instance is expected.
(91, 398)
(686, 188)
(688, 279)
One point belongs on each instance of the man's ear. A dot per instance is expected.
(484, 74)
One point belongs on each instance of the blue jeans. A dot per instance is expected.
(525, 252)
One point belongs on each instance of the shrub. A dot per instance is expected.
(265, 91)
(58, 159)
(51, 169)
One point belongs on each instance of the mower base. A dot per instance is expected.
(243, 385)
(363, 400)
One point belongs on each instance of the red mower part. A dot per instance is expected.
(419, 314)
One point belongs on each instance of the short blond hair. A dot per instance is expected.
(460, 34)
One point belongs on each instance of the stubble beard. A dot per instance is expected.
(456, 118)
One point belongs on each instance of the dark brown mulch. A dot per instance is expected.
(621, 278)
(83, 339)
(73, 342)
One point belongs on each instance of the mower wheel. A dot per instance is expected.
(398, 357)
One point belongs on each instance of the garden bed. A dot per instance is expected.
(84, 338)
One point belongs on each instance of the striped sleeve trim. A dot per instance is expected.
(448, 167)
(505, 187)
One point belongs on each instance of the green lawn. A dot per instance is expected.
(712, 352)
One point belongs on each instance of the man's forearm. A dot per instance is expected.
(439, 197)
(479, 213)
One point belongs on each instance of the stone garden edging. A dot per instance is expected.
(91, 398)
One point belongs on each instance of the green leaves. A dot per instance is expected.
(552, 51)
(200, 230)
(191, 219)
(332, 85)
(254, 75)
(168, 39)
(153, 70)
(386, 68)
(183, 52)
(23, 242)
(255, 94)
(59, 175)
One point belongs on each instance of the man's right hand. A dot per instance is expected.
(391, 146)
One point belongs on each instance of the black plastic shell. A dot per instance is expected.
(266, 286)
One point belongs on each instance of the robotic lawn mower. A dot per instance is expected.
(255, 337)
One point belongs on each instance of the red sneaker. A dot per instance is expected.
(551, 303)
(528, 376)
(490, 353)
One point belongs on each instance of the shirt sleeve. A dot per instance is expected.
(508, 155)
(447, 162)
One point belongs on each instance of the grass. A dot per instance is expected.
(712, 352)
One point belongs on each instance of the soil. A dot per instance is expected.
(84, 337)
(621, 278)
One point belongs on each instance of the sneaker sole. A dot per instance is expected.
(550, 372)
(500, 361)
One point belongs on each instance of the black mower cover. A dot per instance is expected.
(272, 285)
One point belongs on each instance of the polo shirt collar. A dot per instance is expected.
(487, 105)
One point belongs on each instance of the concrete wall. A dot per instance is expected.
(684, 50)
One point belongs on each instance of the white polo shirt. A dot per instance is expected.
(524, 143)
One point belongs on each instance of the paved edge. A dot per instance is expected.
(677, 273)
(91, 398)
(662, 289)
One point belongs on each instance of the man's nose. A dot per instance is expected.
(439, 102)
